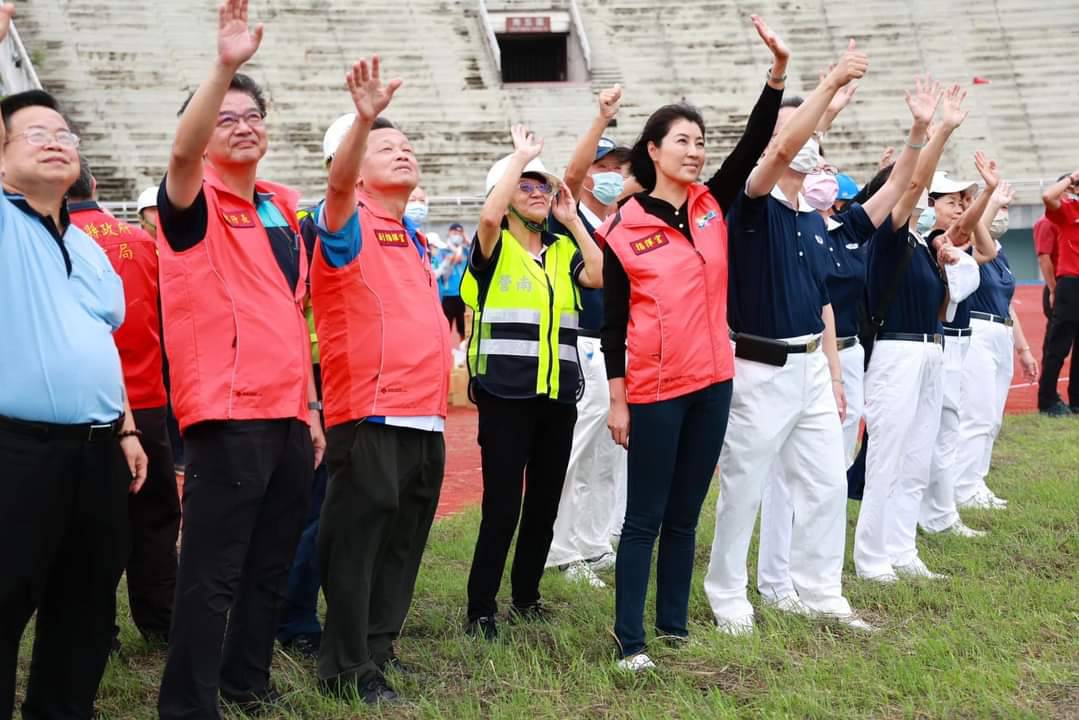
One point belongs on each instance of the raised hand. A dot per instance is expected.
(852, 66)
(886, 157)
(842, 98)
(1004, 194)
(564, 207)
(7, 11)
(924, 100)
(368, 93)
(610, 100)
(952, 113)
(236, 43)
(780, 53)
(525, 143)
(988, 170)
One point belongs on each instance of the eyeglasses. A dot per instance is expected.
(40, 137)
(824, 170)
(529, 187)
(229, 120)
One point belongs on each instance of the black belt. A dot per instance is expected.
(84, 433)
(768, 350)
(958, 332)
(913, 337)
(990, 317)
(847, 342)
(594, 334)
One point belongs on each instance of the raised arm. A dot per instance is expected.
(801, 124)
(952, 116)
(1002, 198)
(838, 104)
(985, 248)
(584, 154)
(1052, 197)
(7, 11)
(922, 104)
(526, 148)
(565, 211)
(370, 97)
(236, 44)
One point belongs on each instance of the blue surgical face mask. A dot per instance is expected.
(416, 212)
(607, 186)
(926, 222)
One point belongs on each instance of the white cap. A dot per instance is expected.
(963, 280)
(535, 166)
(335, 134)
(923, 201)
(147, 199)
(944, 185)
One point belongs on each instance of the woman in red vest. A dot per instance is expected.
(665, 280)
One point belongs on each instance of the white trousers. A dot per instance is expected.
(587, 509)
(938, 504)
(904, 393)
(987, 377)
(777, 513)
(787, 414)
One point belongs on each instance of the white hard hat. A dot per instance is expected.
(535, 166)
(944, 185)
(147, 199)
(335, 134)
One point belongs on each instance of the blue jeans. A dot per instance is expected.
(673, 449)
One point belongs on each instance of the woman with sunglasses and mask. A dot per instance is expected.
(522, 283)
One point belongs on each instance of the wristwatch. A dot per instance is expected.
(314, 406)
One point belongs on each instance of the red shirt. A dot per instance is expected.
(1045, 238)
(133, 254)
(1066, 220)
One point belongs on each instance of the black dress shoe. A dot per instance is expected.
(254, 704)
(394, 664)
(536, 612)
(377, 692)
(482, 627)
(1058, 410)
(304, 645)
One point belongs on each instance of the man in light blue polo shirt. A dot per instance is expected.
(68, 443)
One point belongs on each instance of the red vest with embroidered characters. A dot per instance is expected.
(133, 254)
(677, 339)
(235, 333)
(383, 339)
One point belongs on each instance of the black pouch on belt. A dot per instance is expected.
(759, 349)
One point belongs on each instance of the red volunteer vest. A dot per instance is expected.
(235, 333)
(383, 339)
(677, 340)
(133, 255)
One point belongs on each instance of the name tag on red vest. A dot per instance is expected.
(648, 244)
(392, 238)
(238, 218)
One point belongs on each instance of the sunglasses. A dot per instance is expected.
(530, 186)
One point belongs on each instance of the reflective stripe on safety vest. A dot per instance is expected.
(524, 333)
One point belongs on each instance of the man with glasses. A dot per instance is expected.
(68, 444)
(232, 284)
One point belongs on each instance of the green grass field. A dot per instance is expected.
(999, 639)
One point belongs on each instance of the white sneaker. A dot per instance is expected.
(959, 529)
(917, 569)
(984, 500)
(605, 561)
(884, 579)
(998, 501)
(636, 663)
(580, 572)
(789, 604)
(853, 622)
(738, 627)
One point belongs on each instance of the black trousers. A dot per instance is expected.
(520, 440)
(64, 534)
(454, 309)
(154, 514)
(246, 489)
(380, 503)
(1062, 338)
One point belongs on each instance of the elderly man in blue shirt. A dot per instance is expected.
(68, 443)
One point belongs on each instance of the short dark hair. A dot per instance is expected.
(83, 187)
(242, 83)
(655, 129)
(30, 98)
(794, 101)
(870, 188)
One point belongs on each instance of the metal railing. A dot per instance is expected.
(16, 67)
(582, 37)
(491, 38)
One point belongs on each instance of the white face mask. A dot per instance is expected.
(808, 158)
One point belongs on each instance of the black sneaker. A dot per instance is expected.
(377, 692)
(482, 627)
(255, 705)
(394, 664)
(1057, 410)
(536, 612)
(1074, 409)
(304, 645)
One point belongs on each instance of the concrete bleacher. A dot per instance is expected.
(122, 68)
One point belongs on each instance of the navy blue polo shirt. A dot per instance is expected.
(916, 307)
(994, 294)
(844, 255)
(776, 287)
(591, 315)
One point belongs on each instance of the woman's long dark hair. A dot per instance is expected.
(657, 127)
